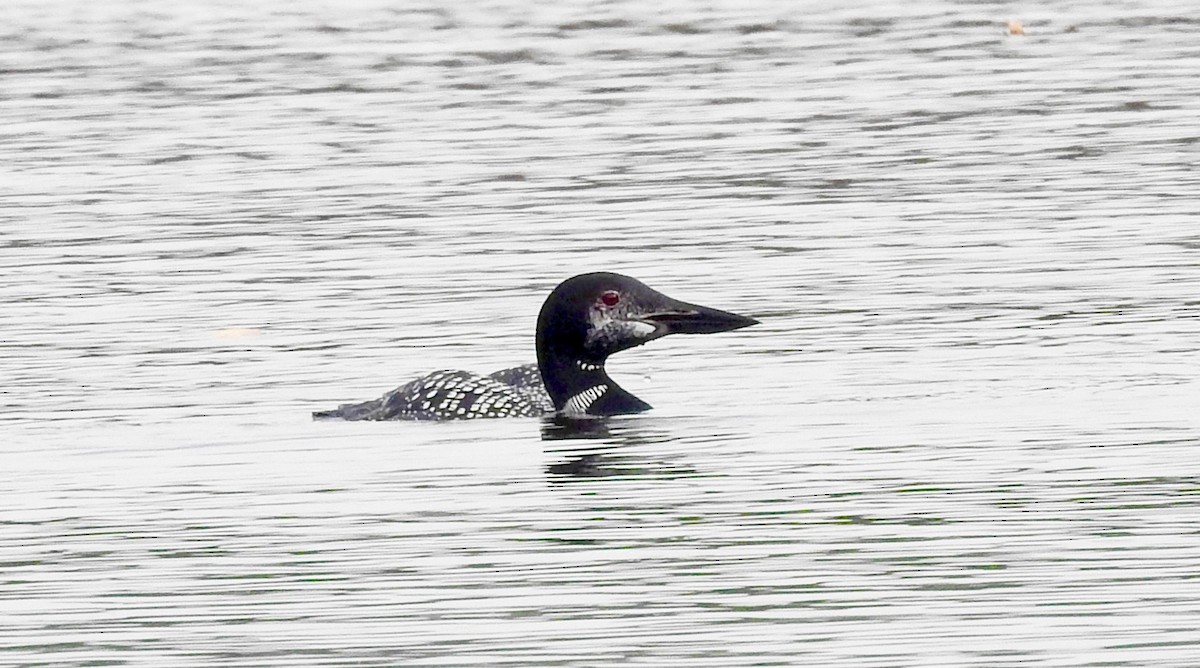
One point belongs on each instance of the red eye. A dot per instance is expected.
(610, 298)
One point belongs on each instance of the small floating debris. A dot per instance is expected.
(1015, 27)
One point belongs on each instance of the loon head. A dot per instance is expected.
(591, 316)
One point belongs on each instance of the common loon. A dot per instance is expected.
(583, 321)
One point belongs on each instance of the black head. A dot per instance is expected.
(596, 315)
(591, 316)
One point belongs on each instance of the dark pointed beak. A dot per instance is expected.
(684, 318)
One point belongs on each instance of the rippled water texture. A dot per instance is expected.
(964, 435)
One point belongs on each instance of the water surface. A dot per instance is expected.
(964, 434)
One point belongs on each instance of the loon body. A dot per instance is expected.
(452, 395)
(583, 321)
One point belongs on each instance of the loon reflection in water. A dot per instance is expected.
(584, 320)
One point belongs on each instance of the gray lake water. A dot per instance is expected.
(965, 433)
